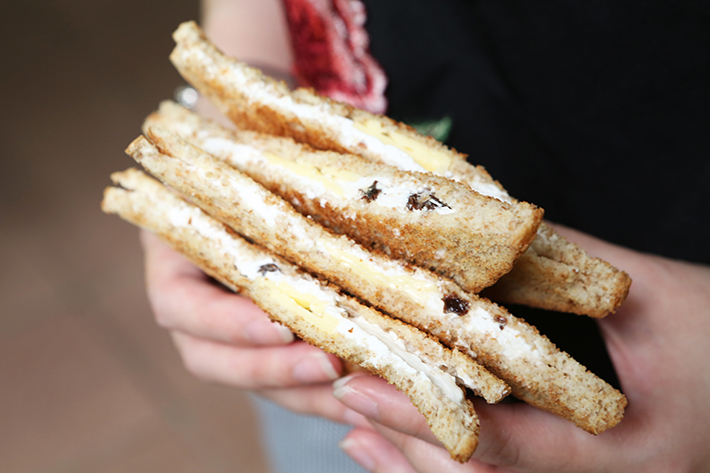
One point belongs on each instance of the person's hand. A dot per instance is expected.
(658, 342)
(223, 337)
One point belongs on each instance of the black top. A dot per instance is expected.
(597, 111)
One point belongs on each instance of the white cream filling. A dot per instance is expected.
(490, 190)
(512, 343)
(445, 382)
(391, 197)
(386, 347)
(228, 150)
(187, 216)
(397, 197)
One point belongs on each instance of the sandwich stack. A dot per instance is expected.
(369, 241)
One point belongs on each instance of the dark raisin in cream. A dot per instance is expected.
(268, 268)
(425, 201)
(455, 305)
(371, 193)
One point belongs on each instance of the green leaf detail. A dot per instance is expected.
(437, 129)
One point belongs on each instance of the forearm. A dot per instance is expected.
(254, 31)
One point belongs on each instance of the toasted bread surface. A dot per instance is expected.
(556, 274)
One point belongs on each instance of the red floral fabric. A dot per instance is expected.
(331, 50)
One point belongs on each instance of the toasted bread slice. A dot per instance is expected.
(554, 274)
(514, 351)
(429, 220)
(317, 312)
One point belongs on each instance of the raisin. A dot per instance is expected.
(371, 193)
(268, 268)
(456, 305)
(425, 201)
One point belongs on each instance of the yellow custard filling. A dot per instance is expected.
(327, 176)
(419, 290)
(306, 306)
(430, 159)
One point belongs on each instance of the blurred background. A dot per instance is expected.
(88, 383)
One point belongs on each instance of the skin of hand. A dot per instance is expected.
(223, 337)
(254, 31)
(658, 342)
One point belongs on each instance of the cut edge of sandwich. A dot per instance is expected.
(416, 364)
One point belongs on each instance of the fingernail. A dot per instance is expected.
(357, 452)
(266, 332)
(355, 399)
(341, 382)
(315, 368)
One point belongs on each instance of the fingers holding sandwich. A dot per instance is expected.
(515, 436)
(224, 337)
(184, 299)
(256, 368)
(316, 399)
(655, 341)
(383, 450)
(376, 454)
(379, 402)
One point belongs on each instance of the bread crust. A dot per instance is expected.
(556, 274)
